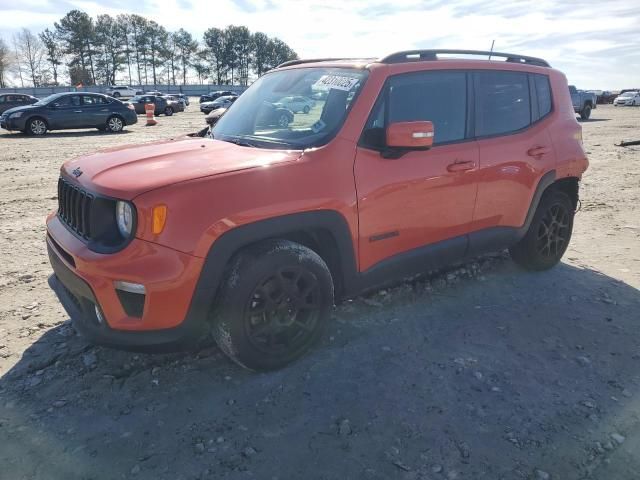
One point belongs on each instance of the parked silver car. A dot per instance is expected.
(296, 104)
(627, 99)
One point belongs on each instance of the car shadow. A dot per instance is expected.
(63, 134)
(593, 120)
(484, 370)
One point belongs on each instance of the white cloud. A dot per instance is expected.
(583, 39)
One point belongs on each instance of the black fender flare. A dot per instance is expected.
(237, 238)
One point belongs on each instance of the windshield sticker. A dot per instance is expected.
(336, 82)
(318, 126)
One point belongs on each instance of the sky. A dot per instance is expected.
(596, 44)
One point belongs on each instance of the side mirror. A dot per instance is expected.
(402, 137)
(410, 135)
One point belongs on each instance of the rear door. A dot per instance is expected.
(423, 197)
(511, 113)
(96, 110)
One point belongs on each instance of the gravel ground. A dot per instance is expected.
(482, 371)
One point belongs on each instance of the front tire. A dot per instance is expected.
(549, 234)
(115, 124)
(116, 94)
(306, 109)
(168, 111)
(37, 126)
(274, 306)
(283, 120)
(586, 112)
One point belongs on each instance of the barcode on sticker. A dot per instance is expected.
(336, 82)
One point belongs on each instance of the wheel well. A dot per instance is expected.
(588, 103)
(321, 241)
(569, 186)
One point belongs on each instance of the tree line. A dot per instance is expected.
(102, 51)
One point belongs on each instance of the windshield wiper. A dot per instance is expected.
(239, 141)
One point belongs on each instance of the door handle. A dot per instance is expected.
(538, 152)
(77, 111)
(460, 166)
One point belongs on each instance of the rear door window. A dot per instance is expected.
(502, 103)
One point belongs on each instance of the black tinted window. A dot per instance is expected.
(439, 97)
(94, 100)
(68, 101)
(502, 102)
(543, 92)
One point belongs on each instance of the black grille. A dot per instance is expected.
(74, 208)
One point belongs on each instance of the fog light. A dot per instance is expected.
(99, 315)
(129, 287)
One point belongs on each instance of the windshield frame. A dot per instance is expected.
(43, 102)
(277, 143)
(630, 94)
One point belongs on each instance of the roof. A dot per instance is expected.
(407, 56)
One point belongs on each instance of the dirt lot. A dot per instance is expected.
(482, 371)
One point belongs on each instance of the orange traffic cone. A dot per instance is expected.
(150, 109)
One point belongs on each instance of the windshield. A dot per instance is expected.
(49, 99)
(297, 109)
(628, 94)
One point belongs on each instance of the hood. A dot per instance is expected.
(126, 172)
(21, 108)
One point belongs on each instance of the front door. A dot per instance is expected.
(66, 112)
(424, 198)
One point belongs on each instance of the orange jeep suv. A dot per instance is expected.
(403, 164)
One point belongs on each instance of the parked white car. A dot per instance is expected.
(122, 91)
(627, 99)
(297, 103)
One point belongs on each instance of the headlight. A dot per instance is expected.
(16, 115)
(124, 216)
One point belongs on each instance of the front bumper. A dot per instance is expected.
(172, 317)
(12, 123)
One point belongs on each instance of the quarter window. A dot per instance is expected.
(502, 103)
(543, 92)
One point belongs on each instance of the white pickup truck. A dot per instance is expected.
(122, 91)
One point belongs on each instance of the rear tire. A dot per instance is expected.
(274, 306)
(115, 124)
(549, 233)
(306, 109)
(37, 126)
(586, 112)
(116, 94)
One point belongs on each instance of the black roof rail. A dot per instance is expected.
(422, 55)
(312, 60)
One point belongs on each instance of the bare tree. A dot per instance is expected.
(30, 52)
(5, 63)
